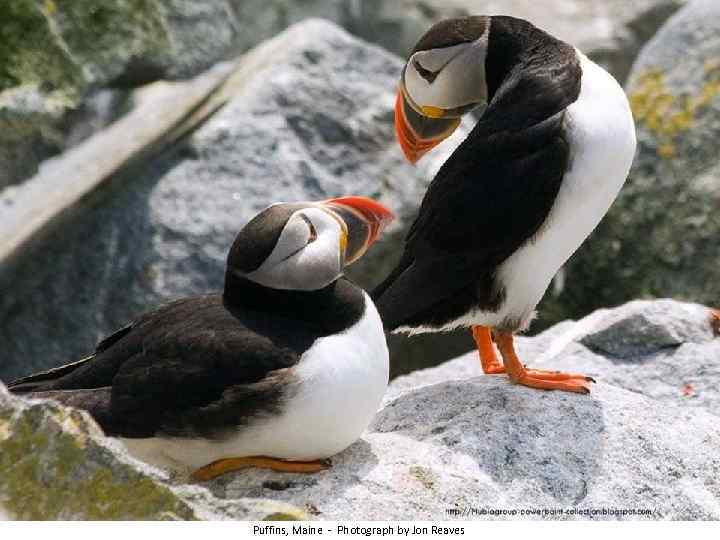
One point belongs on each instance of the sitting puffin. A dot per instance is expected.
(282, 370)
(540, 169)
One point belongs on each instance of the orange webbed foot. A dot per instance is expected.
(550, 375)
(222, 466)
(580, 386)
(539, 378)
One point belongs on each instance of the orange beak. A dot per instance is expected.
(418, 133)
(362, 219)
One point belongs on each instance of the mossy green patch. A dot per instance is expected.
(65, 45)
(101, 34)
(29, 53)
(52, 468)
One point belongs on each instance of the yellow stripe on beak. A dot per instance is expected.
(433, 112)
(343, 241)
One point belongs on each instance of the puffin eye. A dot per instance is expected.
(313, 231)
(426, 74)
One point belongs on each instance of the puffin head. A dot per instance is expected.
(443, 79)
(306, 246)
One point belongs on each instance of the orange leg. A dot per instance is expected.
(489, 360)
(222, 466)
(535, 378)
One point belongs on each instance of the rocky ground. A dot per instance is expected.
(449, 443)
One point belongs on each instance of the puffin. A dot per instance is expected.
(282, 370)
(552, 146)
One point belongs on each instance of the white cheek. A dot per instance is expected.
(460, 82)
(449, 90)
(466, 76)
(313, 267)
(317, 265)
(418, 88)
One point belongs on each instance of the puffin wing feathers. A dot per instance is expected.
(487, 200)
(172, 372)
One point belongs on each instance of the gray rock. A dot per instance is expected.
(48, 451)
(610, 32)
(29, 131)
(54, 55)
(312, 117)
(642, 328)
(263, 19)
(663, 349)
(458, 448)
(660, 237)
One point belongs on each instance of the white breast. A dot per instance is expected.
(343, 378)
(601, 134)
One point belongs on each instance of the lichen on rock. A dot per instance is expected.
(666, 115)
(56, 464)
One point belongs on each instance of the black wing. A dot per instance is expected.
(490, 197)
(191, 367)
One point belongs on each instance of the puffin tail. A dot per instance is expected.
(43, 381)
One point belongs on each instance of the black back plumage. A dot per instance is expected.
(496, 190)
(202, 365)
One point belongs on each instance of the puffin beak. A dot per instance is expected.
(420, 129)
(361, 219)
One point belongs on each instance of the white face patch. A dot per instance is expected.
(307, 255)
(460, 79)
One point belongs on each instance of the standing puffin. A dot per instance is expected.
(282, 370)
(540, 169)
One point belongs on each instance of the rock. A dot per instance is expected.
(55, 54)
(642, 328)
(312, 117)
(48, 451)
(458, 448)
(29, 131)
(663, 349)
(659, 238)
(80, 46)
(611, 32)
(263, 19)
